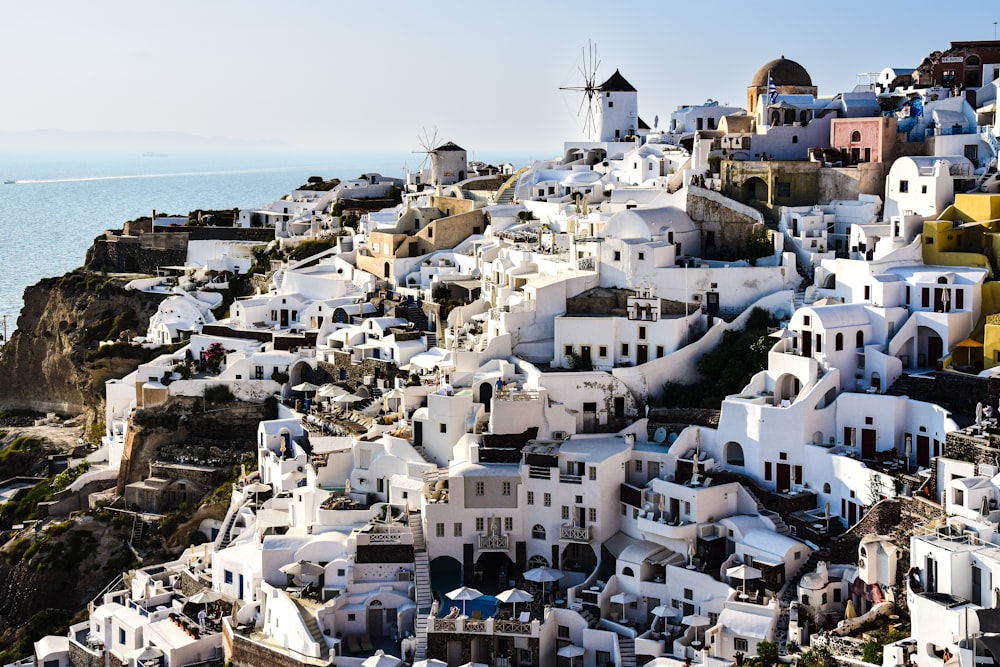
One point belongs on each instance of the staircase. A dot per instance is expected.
(506, 197)
(227, 531)
(626, 649)
(779, 524)
(313, 627)
(422, 583)
(415, 314)
(788, 593)
(588, 617)
(138, 528)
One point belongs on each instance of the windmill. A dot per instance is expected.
(589, 89)
(428, 144)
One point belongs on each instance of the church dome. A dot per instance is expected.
(785, 72)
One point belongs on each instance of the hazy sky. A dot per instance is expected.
(373, 74)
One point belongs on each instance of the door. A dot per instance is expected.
(868, 443)
(641, 354)
(807, 344)
(784, 477)
(935, 350)
(284, 317)
(239, 593)
(581, 516)
(923, 451)
(585, 355)
(713, 303)
(375, 622)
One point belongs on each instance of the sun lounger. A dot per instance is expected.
(353, 645)
(366, 644)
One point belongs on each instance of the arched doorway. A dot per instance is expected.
(734, 454)
(754, 188)
(446, 575)
(387, 270)
(486, 394)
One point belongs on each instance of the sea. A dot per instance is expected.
(58, 203)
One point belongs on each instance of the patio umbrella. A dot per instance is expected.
(850, 611)
(744, 573)
(149, 657)
(380, 659)
(256, 489)
(204, 597)
(302, 567)
(623, 599)
(571, 651)
(331, 391)
(475, 664)
(515, 595)
(542, 575)
(696, 621)
(464, 593)
(347, 398)
(305, 387)
(663, 611)
(431, 662)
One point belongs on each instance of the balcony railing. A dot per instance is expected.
(494, 542)
(575, 533)
(513, 627)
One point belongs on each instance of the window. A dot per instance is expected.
(687, 507)
(121, 635)
(836, 595)
(855, 136)
(642, 333)
(565, 512)
(480, 488)
(925, 298)
(641, 256)
(838, 342)
(592, 472)
(904, 186)
(227, 576)
(564, 631)
(506, 488)
(592, 514)
(638, 465)
(624, 349)
(688, 594)
(618, 255)
(795, 139)
(960, 299)
(826, 487)
(341, 572)
(611, 103)
(860, 339)
(352, 617)
(740, 644)
(568, 350)
(508, 523)
(547, 500)
(439, 530)
(659, 351)
(458, 529)
(480, 522)
(819, 343)
(767, 471)
(443, 428)
(531, 497)
(602, 351)
(538, 531)
(923, 189)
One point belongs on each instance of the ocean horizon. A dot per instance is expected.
(59, 202)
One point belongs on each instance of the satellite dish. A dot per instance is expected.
(660, 434)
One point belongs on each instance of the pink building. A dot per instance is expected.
(864, 139)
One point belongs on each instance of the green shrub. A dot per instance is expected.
(219, 393)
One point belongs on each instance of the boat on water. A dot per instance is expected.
(9, 182)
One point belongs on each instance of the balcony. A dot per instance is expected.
(494, 542)
(582, 534)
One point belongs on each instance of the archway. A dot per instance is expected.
(734, 454)
(754, 188)
(786, 389)
(494, 572)
(446, 575)
(486, 394)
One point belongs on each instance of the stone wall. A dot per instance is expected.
(354, 374)
(957, 392)
(251, 654)
(849, 182)
(80, 657)
(127, 254)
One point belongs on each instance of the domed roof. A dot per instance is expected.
(785, 72)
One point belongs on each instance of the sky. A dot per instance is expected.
(354, 76)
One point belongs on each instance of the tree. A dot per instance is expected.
(817, 657)
(767, 652)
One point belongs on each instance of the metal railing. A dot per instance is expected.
(494, 542)
(575, 533)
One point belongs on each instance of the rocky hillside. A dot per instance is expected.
(52, 362)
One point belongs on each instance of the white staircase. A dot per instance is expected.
(422, 584)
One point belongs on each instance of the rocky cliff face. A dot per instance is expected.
(52, 363)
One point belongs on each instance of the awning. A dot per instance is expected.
(618, 543)
(665, 557)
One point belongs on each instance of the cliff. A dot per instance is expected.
(52, 363)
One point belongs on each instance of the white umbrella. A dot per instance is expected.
(543, 574)
(623, 599)
(302, 567)
(380, 659)
(256, 489)
(571, 651)
(696, 621)
(475, 664)
(464, 593)
(347, 398)
(744, 573)
(149, 657)
(331, 391)
(515, 595)
(305, 387)
(204, 597)
(430, 662)
(665, 611)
